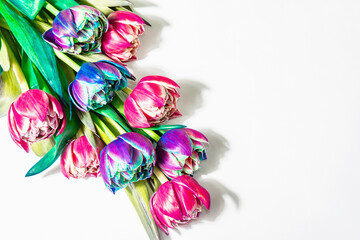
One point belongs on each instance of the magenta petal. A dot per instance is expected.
(166, 82)
(134, 115)
(66, 158)
(156, 219)
(125, 16)
(33, 104)
(186, 198)
(195, 187)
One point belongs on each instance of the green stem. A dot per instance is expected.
(51, 8)
(127, 90)
(151, 133)
(160, 175)
(63, 57)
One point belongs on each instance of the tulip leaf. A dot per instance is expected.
(109, 112)
(39, 52)
(60, 143)
(86, 119)
(63, 4)
(165, 127)
(28, 8)
(139, 194)
(104, 132)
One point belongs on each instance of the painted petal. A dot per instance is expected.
(186, 198)
(33, 104)
(201, 193)
(66, 159)
(83, 151)
(196, 135)
(63, 24)
(166, 160)
(134, 115)
(125, 17)
(121, 153)
(49, 37)
(167, 202)
(166, 82)
(153, 213)
(139, 142)
(176, 141)
(149, 95)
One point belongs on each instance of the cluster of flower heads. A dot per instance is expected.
(131, 157)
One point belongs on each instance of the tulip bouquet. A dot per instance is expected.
(64, 90)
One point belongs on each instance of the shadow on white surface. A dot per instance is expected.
(191, 99)
(53, 170)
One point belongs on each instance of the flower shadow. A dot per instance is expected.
(190, 101)
(54, 170)
(151, 39)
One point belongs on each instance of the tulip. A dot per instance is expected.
(129, 158)
(95, 84)
(77, 30)
(179, 151)
(35, 116)
(178, 202)
(152, 101)
(121, 41)
(80, 159)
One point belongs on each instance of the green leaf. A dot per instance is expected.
(105, 133)
(165, 127)
(86, 119)
(39, 52)
(63, 4)
(27, 7)
(60, 143)
(109, 112)
(139, 194)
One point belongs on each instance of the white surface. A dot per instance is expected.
(275, 87)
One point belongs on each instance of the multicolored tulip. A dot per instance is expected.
(35, 116)
(178, 202)
(179, 151)
(129, 158)
(95, 84)
(121, 41)
(77, 30)
(152, 101)
(80, 159)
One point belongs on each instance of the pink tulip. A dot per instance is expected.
(80, 159)
(152, 101)
(35, 116)
(178, 202)
(121, 40)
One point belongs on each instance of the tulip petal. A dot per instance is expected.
(166, 82)
(186, 198)
(33, 104)
(154, 214)
(134, 115)
(139, 142)
(195, 187)
(166, 160)
(176, 141)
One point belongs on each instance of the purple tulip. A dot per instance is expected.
(95, 84)
(152, 101)
(35, 116)
(179, 151)
(129, 158)
(80, 159)
(178, 202)
(77, 30)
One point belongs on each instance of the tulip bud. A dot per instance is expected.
(178, 202)
(152, 101)
(179, 151)
(35, 116)
(77, 30)
(95, 84)
(129, 158)
(80, 159)
(121, 41)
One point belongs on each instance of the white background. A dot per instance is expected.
(275, 87)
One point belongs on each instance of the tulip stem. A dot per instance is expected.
(51, 8)
(67, 60)
(127, 90)
(152, 134)
(159, 174)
